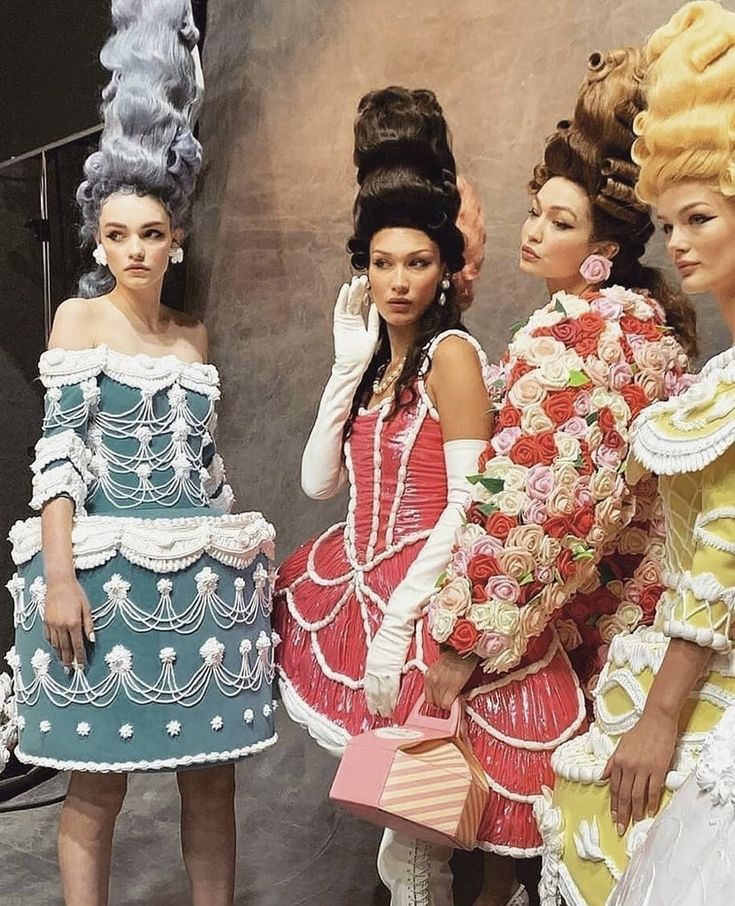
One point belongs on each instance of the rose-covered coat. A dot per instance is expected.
(559, 553)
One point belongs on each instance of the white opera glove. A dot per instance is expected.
(322, 471)
(387, 654)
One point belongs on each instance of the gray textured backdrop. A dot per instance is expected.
(273, 212)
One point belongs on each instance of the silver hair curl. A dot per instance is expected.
(147, 145)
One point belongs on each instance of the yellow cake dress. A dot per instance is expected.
(689, 442)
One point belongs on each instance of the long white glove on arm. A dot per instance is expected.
(387, 653)
(322, 469)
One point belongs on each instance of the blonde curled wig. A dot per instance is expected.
(688, 128)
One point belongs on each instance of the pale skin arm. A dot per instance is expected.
(460, 396)
(637, 769)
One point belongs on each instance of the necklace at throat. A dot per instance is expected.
(390, 376)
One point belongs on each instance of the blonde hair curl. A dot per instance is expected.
(687, 130)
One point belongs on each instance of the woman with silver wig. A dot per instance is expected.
(142, 606)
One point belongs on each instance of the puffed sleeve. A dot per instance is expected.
(550, 493)
(61, 464)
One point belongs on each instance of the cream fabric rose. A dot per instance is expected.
(526, 537)
(648, 572)
(496, 616)
(534, 420)
(455, 597)
(650, 356)
(574, 306)
(542, 349)
(561, 502)
(567, 446)
(553, 375)
(441, 623)
(526, 391)
(510, 502)
(467, 534)
(516, 562)
(597, 371)
(549, 550)
(610, 625)
(602, 483)
(630, 614)
(497, 467)
(515, 478)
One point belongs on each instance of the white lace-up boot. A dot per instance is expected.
(416, 873)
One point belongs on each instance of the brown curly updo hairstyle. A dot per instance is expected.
(407, 177)
(593, 149)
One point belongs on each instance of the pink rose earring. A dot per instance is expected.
(596, 268)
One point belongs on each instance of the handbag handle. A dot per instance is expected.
(450, 725)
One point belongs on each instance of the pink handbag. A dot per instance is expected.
(421, 779)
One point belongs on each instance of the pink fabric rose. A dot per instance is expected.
(540, 482)
(503, 588)
(576, 426)
(609, 309)
(487, 545)
(503, 441)
(596, 268)
(583, 403)
(491, 644)
(620, 375)
(535, 512)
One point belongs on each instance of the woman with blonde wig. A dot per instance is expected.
(664, 690)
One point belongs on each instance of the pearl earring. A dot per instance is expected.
(445, 284)
(100, 255)
(176, 255)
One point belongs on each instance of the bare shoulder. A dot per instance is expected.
(74, 324)
(455, 355)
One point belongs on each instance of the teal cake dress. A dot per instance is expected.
(181, 670)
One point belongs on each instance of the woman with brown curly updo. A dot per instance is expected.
(403, 419)
(560, 554)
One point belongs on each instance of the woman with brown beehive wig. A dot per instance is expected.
(402, 419)
(560, 554)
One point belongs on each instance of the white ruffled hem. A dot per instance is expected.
(160, 764)
(161, 545)
(57, 481)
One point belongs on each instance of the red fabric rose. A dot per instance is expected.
(479, 594)
(481, 567)
(591, 324)
(613, 440)
(587, 467)
(586, 346)
(487, 454)
(566, 331)
(557, 526)
(518, 370)
(499, 526)
(547, 447)
(559, 406)
(579, 609)
(649, 597)
(509, 417)
(635, 396)
(606, 420)
(646, 329)
(565, 564)
(475, 515)
(582, 521)
(465, 636)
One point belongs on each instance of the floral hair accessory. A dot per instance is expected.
(596, 268)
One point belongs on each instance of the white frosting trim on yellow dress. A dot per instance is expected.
(663, 435)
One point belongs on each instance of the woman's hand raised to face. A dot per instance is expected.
(354, 341)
